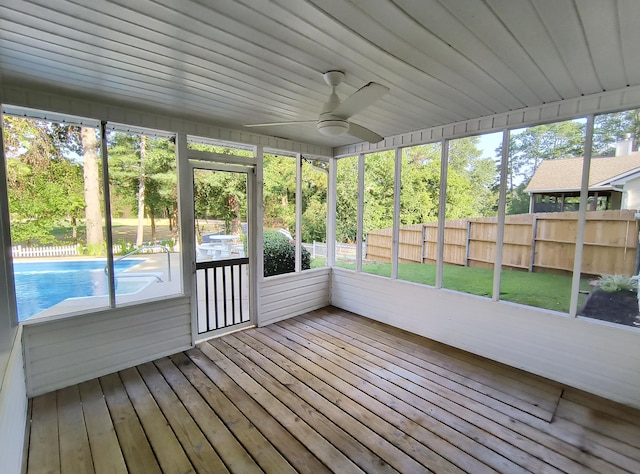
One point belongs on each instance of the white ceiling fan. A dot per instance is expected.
(333, 119)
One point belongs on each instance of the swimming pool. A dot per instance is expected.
(41, 285)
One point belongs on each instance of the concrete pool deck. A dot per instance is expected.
(154, 265)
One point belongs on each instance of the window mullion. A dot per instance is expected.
(107, 213)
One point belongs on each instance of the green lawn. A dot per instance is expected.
(542, 290)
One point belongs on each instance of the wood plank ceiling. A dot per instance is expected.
(232, 62)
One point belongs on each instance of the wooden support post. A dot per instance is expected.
(466, 251)
(534, 233)
(422, 249)
(442, 205)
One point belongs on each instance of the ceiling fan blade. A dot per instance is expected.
(362, 133)
(269, 124)
(359, 100)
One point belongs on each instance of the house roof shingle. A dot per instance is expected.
(565, 174)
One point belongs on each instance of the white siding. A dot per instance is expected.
(589, 355)
(13, 412)
(67, 351)
(285, 296)
(632, 194)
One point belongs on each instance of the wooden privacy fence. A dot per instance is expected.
(533, 242)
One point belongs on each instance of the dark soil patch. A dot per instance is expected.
(619, 307)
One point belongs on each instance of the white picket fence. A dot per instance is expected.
(19, 251)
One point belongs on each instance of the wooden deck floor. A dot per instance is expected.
(327, 391)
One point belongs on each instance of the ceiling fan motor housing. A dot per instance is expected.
(331, 125)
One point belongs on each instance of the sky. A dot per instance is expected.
(489, 142)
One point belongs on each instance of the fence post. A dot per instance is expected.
(466, 250)
(534, 233)
(424, 236)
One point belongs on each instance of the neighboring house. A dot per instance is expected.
(614, 183)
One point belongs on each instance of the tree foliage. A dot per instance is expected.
(47, 169)
(92, 195)
(154, 172)
(470, 187)
(315, 176)
(610, 128)
(45, 186)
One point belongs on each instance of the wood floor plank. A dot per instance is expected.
(525, 386)
(408, 428)
(44, 451)
(448, 424)
(333, 458)
(295, 452)
(597, 432)
(105, 449)
(230, 450)
(75, 452)
(135, 447)
(607, 449)
(322, 415)
(368, 427)
(613, 409)
(195, 444)
(443, 376)
(166, 447)
(495, 417)
(253, 441)
(600, 422)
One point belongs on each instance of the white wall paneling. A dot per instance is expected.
(291, 294)
(13, 411)
(66, 351)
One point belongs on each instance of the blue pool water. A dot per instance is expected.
(40, 285)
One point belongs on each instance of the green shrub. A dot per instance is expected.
(613, 283)
(280, 254)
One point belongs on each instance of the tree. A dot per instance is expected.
(44, 185)
(378, 190)
(314, 201)
(279, 192)
(221, 195)
(530, 147)
(142, 174)
(609, 128)
(470, 187)
(141, 191)
(470, 179)
(93, 214)
(420, 184)
(161, 190)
